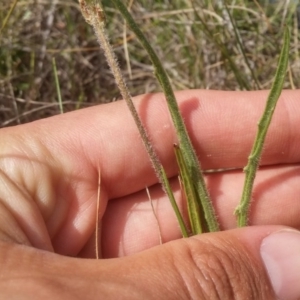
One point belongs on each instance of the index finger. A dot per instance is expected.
(222, 127)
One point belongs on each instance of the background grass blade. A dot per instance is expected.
(57, 85)
(5, 21)
(253, 161)
(241, 45)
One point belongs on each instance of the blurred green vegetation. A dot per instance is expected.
(198, 42)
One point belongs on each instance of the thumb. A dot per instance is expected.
(259, 262)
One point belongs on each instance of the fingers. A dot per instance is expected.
(222, 126)
(129, 225)
(248, 263)
(57, 159)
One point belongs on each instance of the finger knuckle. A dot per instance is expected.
(211, 271)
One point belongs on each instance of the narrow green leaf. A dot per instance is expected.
(190, 193)
(178, 214)
(6, 19)
(241, 44)
(57, 85)
(242, 210)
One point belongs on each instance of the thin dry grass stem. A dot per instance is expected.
(29, 112)
(155, 216)
(264, 15)
(291, 78)
(159, 15)
(94, 15)
(296, 39)
(126, 52)
(5, 21)
(96, 18)
(240, 44)
(98, 224)
(125, 45)
(57, 86)
(285, 13)
(45, 23)
(15, 105)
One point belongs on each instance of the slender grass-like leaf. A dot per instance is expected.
(242, 210)
(57, 85)
(178, 214)
(240, 44)
(5, 21)
(190, 193)
(185, 144)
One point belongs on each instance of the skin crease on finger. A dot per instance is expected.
(67, 150)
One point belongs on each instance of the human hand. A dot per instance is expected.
(49, 176)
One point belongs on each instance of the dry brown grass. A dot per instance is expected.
(41, 29)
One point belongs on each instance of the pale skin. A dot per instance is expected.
(49, 174)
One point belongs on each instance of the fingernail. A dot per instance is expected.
(280, 252)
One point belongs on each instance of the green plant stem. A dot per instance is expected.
(5, 21)
(93, 14)
(242, 210)
(57, 85)
(240, 43)
(188, 151)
